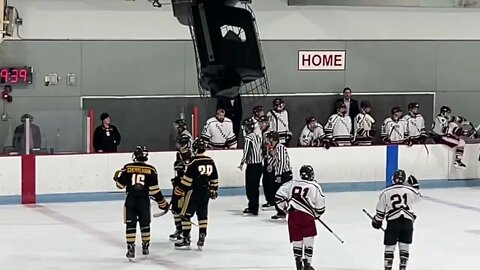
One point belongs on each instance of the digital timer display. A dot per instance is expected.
(16, 75)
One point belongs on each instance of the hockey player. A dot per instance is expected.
(415, 125)
(446, 130)
(364, 125)
(394, 128)
(313, 134)
(258, 112)
(183, 159)
(218, 132)
(280, 166)
(199, 184)
(339, 127)
(181, 128)
(279, 121)
(304, 202)
(141, 182)
(395, 204)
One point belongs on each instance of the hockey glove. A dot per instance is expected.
(376, 224)
(412, 181)
(327, 143)
(409, 142)
(213, 194)
(372, 133)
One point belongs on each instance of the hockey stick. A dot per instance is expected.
(370, 216)
(330, 230)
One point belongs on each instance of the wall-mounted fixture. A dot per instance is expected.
(52, 79)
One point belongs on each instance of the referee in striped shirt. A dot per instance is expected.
(253, 157)
(281, 166)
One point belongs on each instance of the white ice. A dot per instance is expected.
(91, 236)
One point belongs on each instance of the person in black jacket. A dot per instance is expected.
(352, 105)
(233, 111)
(106, 137)
(19, 137)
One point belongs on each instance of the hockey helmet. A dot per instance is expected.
(413, 105)
(340, 105)
(257, 109)
(399, 177)
(249, 125)
(396, 110)
(307, 173)
(183, 143)
(199, 146)
(365, 104)
(264, 119)
(180, 125)
(445, 110)
(140, 154)
(310, 119)
(273, 136)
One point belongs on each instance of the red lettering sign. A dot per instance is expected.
(321, 60)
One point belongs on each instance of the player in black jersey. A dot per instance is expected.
(184, 157)
(199, 184)
(141, 183)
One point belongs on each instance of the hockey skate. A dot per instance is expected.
(175, 236)
(306, 265)
(267, 207)
(247, 212)
(459, 164)
(279, 216)
(184, 244)
(201, 241)
(299, 263)
(130, 252)
(145, 248)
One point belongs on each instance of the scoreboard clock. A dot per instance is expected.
(16, 75)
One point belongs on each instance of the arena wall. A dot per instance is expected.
(61, 178)
(116, 19)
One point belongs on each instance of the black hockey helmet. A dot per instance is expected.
(413, 105)
(278, 101)
(183, 142)
(310, 119)
(180, 124)
(307, 173)
(140, 153)
(249, 125)
(365, 104)
(399, 177)
(444, 110)
(264, 119)
(199, 146)
(273, 136)
(340, 105)
(396, 109)
(258, 109)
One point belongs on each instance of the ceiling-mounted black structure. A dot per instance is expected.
(227, 48)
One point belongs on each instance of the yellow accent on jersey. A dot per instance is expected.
(185, 203)
(163, 204)
(214, 183)
(178, 191)
(140, 169)
(186, 181)
(120, 186)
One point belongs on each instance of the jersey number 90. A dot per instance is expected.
(205, 170)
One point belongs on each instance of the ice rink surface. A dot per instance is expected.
(85, 236)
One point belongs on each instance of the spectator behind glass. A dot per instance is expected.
(106, 137)
(19, 135)
(233, 111)
(352, 105)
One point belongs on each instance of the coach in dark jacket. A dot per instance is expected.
(106, 137)
(233, 111)
(352, 105)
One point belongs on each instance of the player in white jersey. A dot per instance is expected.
(218, 132)
(339, 127)
(364, 125)
(258, 111)
(312, 134)
(279, 121)
(415, 125)
(395, 204)
(304, 202)
(445, 131)
(394, 128)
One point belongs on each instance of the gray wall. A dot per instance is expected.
(167, 67)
